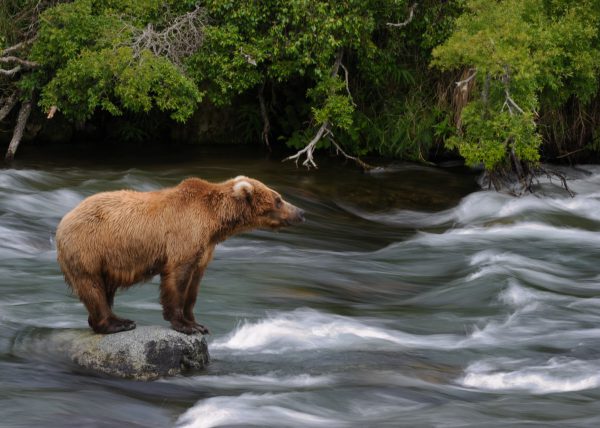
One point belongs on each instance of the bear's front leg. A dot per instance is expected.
(189, 300)
(173, 286)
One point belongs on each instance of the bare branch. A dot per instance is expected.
(14, 59)
(365, 166)
(325, 130)
(411, 15)
(10, 72)
(52, 112)
(508, 101)
(249, 59)
(571, 153)
(21, 64)
(19, 129)
(16, 47)
(347, 84)
(554, 173)
(180, 39)
(511, 104)
(310, 148)
(338, 62)
(462, 84)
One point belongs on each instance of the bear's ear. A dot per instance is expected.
(243, 189)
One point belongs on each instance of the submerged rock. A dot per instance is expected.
(146, 353)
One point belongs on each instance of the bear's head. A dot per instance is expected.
(263, 207)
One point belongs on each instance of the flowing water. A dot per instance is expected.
(410, 297)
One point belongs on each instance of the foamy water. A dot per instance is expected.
(409, 298)
(561, 374)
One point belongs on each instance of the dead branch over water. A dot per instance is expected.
(178, 40)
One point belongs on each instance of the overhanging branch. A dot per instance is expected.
(347, 83)
(16, 60)
(411, 15)
(325, 129)
(10, 72)
(462, 84)
(179, 39)
(310, 148)
(17, 47)
(365, 166)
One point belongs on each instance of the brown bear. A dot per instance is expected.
(113, 240)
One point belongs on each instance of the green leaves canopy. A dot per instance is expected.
(84, 48)
(521, 50)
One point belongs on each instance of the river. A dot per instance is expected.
(410, 297)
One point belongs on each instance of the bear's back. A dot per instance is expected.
(127, 229)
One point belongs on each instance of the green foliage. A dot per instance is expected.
(407, 128)
(69, 28)
(110, 80)
(249, 43)
(521, 50)
(87, 63)
(488, 140)
(380, 88)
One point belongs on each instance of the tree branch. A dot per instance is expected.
(461, 84)
(14, 59)
(16, 47)
(325, 131)
(365, 166)
(411, 15)
(310, 148)
(52, 112)
(10, 72)
(180, 39)
(347, 84)
(510, 103)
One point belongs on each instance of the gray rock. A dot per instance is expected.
(146, 353)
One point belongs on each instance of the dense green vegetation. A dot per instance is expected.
(504, 82)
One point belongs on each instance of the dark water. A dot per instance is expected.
(409, 298)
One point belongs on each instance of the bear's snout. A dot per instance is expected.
(294, 215)
(299, 218)
(289, 215)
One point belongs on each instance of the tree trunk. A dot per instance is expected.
(18, 131)
(9, 104)
(265, 116)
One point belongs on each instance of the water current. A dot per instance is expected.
(410, 297)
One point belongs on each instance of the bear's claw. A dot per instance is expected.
(120, 325)
(201, 329)
(190, 328)
(112, 325)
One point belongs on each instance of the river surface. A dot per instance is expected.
(410, 297)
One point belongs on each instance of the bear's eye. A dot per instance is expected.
(278, 202)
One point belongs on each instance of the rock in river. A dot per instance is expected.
(146, 353)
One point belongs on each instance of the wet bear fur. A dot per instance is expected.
(114, 240)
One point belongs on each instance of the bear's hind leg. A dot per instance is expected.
(101, 318)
